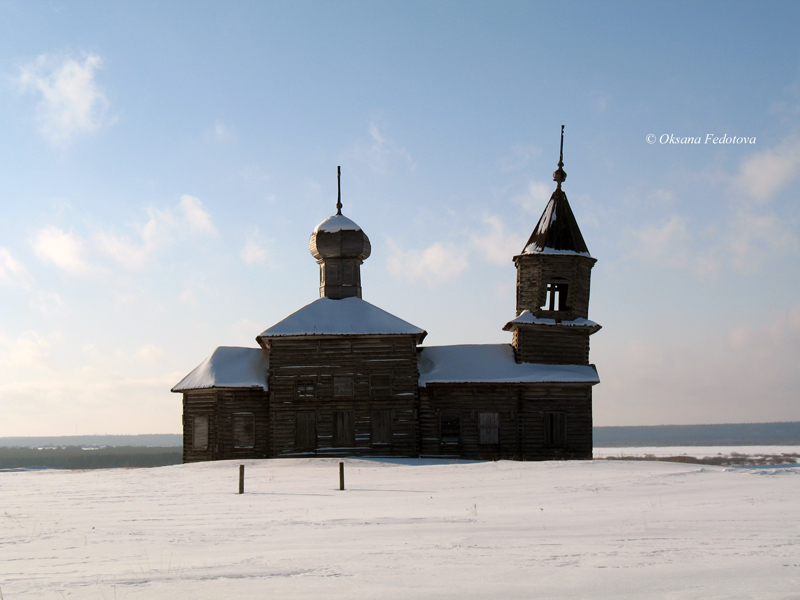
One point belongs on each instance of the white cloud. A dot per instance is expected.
(535, 197)
(757, 234)
(25, 353)
(159, 230)
(65, 250)
(48, 304)
(150, 354)
(254, 252)
(12, 272)
(670, 244)
(497, 246)
(71, 101)
(764, 174)
(196, 216)
(435, 263)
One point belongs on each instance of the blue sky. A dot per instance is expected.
(163, 165)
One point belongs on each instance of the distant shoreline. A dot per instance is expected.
(732, 434)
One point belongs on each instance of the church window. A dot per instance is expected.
(489, 428)
(555, 297)
(343, 386)
(200, 432)
(244, 430)
(348, 273)
(304, 388)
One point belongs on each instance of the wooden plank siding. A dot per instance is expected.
(521, 410)
(371, 361)
(551, 344)
(220, 405)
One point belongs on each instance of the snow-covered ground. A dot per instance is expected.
(402, 529)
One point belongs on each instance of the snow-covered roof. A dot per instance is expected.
(337, 223)
(348, 316)
(228, 367)
(528, 318)
(492, 363)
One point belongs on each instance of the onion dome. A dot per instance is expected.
(339, 237)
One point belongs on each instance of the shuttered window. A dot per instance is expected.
(489, 428)
(381, 427)
(343, 386)
(200, 432)
(244, 430)
(305, 435)
(344, 428)
(555, 428)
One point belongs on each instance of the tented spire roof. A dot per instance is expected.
(557, 231)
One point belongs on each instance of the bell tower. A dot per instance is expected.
(553, 280)
(340, 247)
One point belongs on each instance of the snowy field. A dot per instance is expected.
(403, 529)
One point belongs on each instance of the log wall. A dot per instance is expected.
(535, 271)
(552, 344)
(522, 410)
(219, 406)
(313, 363)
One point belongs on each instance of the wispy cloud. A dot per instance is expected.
(379, 153)
(65, 250)
(196, 215)
(219, 132)
(764, 174)
(12, 272)
(255, 251)
(497, 245)
(670, 244)
(71, 102)
(159, 230)
(535, 198)
(437, 262)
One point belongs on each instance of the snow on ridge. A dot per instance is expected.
(527, 317)
(534, 248)
(492, 363)
(348, 316)
(337, 223)
(228, 367)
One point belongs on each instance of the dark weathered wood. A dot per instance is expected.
(241, 479)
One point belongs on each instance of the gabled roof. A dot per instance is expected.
(228, 367)
(526, 317)
(348, 316)
(492, 363)
(557, 231)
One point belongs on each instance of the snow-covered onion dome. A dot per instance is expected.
(340, 246)
(339, 237)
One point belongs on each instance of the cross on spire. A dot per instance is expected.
(560, 175)
(339, 184)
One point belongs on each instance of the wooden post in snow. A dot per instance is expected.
(341, 476)
(241, 479)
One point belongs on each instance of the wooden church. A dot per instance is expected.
(341, 377)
